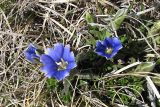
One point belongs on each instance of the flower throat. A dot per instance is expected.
(62, 65)
(109, 50)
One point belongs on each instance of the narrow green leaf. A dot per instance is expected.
(119, 18)
(89, 17)
(145, 67)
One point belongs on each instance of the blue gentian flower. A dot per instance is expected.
(108, 47)
(58, 61)
(30, 53)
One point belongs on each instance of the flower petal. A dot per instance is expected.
(67, 55)
(116, 43)
(101, 53)
(50, 73)
(55, 56)
(113, 43)
(30, 53)
(99, 46)
(114, 52)
(71, 65)
(109, 56)
(47, 60)
(30, 57)
(56, 52)
(107, 42)
(59, 75)
(48, 69)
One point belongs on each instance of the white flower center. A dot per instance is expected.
(62, 65)
(109, 50)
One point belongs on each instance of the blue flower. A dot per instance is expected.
(108, 47)
(58, 61)
(30, 53)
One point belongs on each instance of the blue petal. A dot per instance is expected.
(108, 42)
(50, 73)
(67, 55)
(57, 52)
(71, 65)
(47, 60)
(99, 46)
(109, 56)
(114, 52)
(48, 69)
(101, 53)
(116, 43)
(30, 57)
(30, 53)
(100, 49)
(59, 75)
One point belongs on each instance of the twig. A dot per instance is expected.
(126, 67)
(153, 87)
(56, 1)
(145, 11)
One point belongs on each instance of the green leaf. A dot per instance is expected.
(155, 28)
(91, 41)
(119, 18)
(158, 62)
(66, 98)
(96, 33)
(66, 86)
(100, 34)
(145, 67)
(89, 17)
(157, 39)
(123, 38)
(156, 81)
(104, 33)
(52, 83)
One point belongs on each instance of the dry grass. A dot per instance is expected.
(45, 23)
(22, 84)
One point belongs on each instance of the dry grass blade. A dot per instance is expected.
(153, 87)
(56, 1)
(46, 22)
